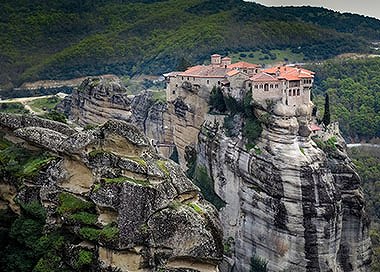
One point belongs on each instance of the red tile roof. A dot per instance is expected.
(263, 77)
(243, 65)
(232, 73)
(314, 127)
(205, 71)
(290, 73)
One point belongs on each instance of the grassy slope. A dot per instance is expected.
(65, 39)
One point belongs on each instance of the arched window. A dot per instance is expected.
(266, 87)
(294, 92)
(208, 81)
(290, 92)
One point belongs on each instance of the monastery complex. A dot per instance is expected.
(291, 85)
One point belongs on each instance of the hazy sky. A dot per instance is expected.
(365, 7)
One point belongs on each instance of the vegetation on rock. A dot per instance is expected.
(27, 248)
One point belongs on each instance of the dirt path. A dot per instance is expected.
(25, 100)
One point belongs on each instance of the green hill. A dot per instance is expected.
(51, 39)
(353, 86)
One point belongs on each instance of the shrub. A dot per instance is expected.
(252, 130)
(258, 264)
(84, 258)
(206, 184)
(71, 204)
(55, 116)
(84, 217)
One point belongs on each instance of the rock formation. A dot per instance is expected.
(110, 191)
(289, 202)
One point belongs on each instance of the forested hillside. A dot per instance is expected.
(65, 39)
(353, 86)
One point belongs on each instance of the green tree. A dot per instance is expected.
(326, 115)
(216, 101)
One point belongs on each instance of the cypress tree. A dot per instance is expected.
(216, 101)
(326, 115)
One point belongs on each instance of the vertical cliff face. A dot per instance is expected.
(293, 200)
(289, 202)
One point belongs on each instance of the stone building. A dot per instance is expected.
(291, 85)
(220, 72)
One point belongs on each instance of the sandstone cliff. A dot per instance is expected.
(108, 190)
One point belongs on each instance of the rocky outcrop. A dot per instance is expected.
(288, 202)
(135, 211)
(99, 99)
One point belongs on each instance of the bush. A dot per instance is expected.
(252, 130)
(258, 264)
(70, 204)
(84, 258)
(55, 116)
(206, 184)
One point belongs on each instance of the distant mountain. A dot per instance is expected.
(49, 39)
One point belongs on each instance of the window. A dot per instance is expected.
(276, 85)
(187, 78)
(271, 86)
(261, 86)
(182, 78)
(208, 81)
(176, 85)
(290, 92)
(173, 91)
(193, 78)
(256, 86)
(218, 82)
(294, 92)
(249, 85)
(298, 92)
(266, 87)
